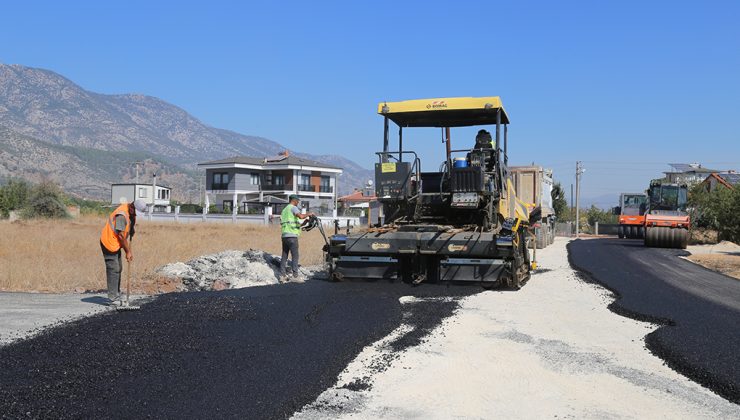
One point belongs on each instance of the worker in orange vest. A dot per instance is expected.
(115, 235)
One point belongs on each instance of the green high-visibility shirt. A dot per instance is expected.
(290, 224)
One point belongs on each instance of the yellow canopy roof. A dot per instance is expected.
(444, 112)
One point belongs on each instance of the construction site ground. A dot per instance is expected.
(723, 257)
(317, 349)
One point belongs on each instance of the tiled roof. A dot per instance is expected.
(358, 196)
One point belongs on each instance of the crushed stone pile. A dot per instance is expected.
(231, 270)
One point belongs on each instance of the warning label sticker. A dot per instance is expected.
(388, 167)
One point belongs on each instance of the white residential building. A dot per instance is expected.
(249, 182)
(131, 191)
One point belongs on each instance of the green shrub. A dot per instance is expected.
(90, 207)
(13, 196)
(595, 214)
(46, 200)
(718, 210)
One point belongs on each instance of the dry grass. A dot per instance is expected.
(64, 256)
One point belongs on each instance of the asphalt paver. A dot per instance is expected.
(261, 352)
(699, 309)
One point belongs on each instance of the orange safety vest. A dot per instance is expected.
(108, 236)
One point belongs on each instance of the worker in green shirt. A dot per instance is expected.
(290, 227)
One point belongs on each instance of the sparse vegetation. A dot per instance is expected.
(61, 256)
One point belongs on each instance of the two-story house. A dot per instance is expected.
(128, 192)
(249, 183)
(687, 173)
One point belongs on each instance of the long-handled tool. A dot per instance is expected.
(125, 306)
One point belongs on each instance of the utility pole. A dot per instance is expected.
(137, 170)
(579, 171)
(154, 188)
(571, 199)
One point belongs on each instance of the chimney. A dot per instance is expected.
(285, 153)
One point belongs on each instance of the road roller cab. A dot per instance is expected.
(666, 220)
(631, 212)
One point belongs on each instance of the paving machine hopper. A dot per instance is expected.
(462, 222)
(666, 220)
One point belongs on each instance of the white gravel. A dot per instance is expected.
(552, 349)
(230, 270)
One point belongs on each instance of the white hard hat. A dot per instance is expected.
(140, 205)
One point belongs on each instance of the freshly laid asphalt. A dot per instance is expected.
(699, 309)
(261, 352)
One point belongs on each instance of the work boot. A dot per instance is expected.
(283, 278)
(298, 278)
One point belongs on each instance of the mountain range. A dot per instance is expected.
(52, 128)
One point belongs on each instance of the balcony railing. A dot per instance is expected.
(325, 189)
(302, 187)
(276, 187)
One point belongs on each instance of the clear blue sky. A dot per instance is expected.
(623, 85)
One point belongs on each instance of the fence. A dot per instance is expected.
(569, 229)
(565, 229)
(264, 218)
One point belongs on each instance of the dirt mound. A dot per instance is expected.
(231, 270)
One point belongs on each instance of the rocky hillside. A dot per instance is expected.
(44, 106)
(85, 172)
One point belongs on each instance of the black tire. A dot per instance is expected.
(620, 231)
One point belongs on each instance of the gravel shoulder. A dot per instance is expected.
(723, 257)
(25, 314)
(552, 349)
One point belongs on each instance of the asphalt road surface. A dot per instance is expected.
(700, 309)
(260, 352)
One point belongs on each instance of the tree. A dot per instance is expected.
(559, 204)
(729, 215)
(595, 214)
(13, 196)
(718, 210)
(46, 200)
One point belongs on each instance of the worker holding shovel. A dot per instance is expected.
(116, 234)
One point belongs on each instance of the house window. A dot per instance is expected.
(279, 179)
(305, 179)
(255, 178)
(220, 181)
(142, 192)
(325, 184)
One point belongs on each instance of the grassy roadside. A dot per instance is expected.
(64, 255)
